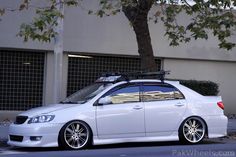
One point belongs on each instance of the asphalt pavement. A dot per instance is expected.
(232, 126)
(163, 149)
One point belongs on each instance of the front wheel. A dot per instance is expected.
(74, 135)
(192, 130)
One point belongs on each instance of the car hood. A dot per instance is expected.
(47, 109)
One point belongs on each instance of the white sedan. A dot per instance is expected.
(118, 111)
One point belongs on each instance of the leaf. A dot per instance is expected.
(2, 12)
(22, 7)
(90, 12)
(100, 13)
(227, 45)
(195, 8)
(71, 2)
(102, 2)
(158, 13)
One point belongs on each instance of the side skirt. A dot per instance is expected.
(97, 141)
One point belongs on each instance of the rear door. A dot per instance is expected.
(164, 108)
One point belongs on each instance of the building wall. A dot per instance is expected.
(109, 35)
(219, 72)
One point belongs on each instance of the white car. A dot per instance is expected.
(117, 110)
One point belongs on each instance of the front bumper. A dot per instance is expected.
(47, 131)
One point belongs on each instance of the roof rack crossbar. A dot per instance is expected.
(139, 75)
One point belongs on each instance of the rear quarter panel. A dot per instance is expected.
(206, 107)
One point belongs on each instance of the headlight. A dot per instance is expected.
(41, 119)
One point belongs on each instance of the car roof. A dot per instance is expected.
(175, 83)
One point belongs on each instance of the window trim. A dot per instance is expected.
(139, 84)
(158, 84)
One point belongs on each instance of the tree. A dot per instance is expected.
(215, 17)
(137, 14)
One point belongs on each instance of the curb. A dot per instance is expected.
(3, 143)
(4, 133)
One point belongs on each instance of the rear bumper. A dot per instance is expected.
(48, 133)
(217, 125)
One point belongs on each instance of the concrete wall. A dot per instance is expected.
(222, 73)
(48, 79)
(113, 35)
(8, 116)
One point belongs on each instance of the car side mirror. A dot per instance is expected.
(105, 100)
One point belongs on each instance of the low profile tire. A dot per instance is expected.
(192, 130)
(75, 135)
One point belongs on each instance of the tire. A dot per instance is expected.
(75, 135)
(192, 130)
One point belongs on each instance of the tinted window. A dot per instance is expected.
(86, 93)
(124, 95)
(160, 92)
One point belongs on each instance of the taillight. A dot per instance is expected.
(221, 105)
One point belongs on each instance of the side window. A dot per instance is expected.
(154, 92)
(127, 94)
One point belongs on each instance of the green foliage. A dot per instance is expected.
(108, 7)
(71, 3)
(42, 27)
(216, 17)
(206, 88)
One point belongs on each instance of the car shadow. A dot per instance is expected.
(114, 146)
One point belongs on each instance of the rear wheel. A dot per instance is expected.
(192, 130)
(74, 135)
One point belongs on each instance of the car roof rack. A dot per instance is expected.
(127, 76)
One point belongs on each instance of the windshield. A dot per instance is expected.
(86, 93)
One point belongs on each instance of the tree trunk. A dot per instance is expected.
(144, 44)
(139, 21)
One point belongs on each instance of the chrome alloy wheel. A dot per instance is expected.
(76, 135)
(194, 130)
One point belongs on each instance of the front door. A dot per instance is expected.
(123, 116)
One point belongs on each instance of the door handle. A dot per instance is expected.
(137, 107)
(179, 104)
